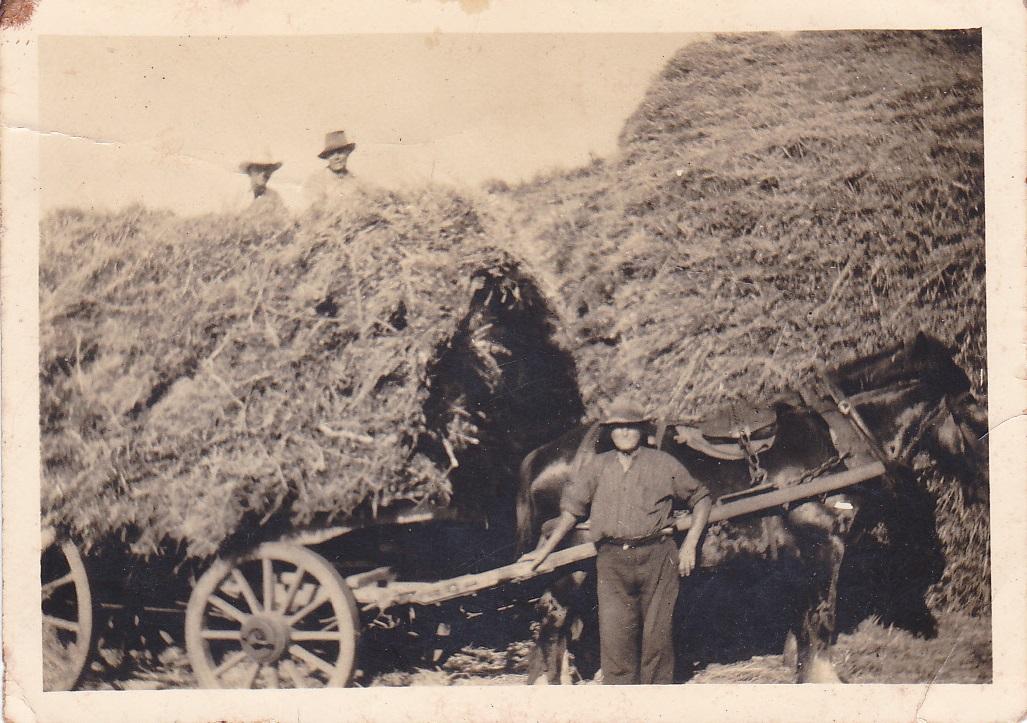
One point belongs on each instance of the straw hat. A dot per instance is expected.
(263, 160)
(336, 141)
(625, 410)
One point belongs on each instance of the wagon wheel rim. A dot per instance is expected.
(67, 616)
(278, 617)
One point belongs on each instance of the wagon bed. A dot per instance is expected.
(281, 609)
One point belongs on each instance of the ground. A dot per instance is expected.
(961, 653)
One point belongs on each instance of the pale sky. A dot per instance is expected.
(166, 121)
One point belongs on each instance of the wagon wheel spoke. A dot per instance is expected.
(66, 615)
(246, 590)
(315, 635)
(290, 594)
(221, 634)
(229, 662)
(294, 674)
(48, 588)
(228, 609)
(297, 589)
(252, 677)
(320, 598)
(301, 653)
(268, 572)
(61, 623)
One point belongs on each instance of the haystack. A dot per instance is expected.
(778, 199)
(204, 378)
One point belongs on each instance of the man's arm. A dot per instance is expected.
(564, 524)
(574, 505)
(688, 552)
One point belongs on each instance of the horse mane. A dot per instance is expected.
(922, 358)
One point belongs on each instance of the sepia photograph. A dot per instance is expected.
(425, 360)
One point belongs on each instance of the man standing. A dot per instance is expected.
(335, 183)
(259, 171)
(630, 491)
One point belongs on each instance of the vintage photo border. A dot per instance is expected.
(1003, 28)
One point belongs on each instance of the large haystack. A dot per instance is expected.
(204, 378)
(778, 198)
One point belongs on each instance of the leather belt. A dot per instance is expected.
(630, 543)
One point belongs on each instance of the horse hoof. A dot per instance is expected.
(541, 680)
(821, 672)
(790, 656)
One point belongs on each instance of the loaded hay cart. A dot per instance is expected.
(281, 615)
(217, 384)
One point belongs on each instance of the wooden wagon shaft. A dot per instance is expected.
(424, 593)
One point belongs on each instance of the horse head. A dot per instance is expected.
(915, 398)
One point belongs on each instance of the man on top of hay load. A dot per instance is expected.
(629, 492)
(265, 200)
(335, 183)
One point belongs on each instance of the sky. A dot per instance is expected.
(166, 121)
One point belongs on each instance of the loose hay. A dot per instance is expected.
(779, 199)
(201, 378)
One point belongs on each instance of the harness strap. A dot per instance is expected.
(848, 410)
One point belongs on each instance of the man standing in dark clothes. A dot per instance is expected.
(630, 491)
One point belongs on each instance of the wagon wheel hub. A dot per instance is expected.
(264, 638)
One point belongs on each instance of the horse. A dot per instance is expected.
(891, 406)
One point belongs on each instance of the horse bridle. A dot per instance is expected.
(849, 412)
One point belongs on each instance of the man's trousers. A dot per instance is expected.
(638, 588)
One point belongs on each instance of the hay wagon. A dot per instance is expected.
(282, 614)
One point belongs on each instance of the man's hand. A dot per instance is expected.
(540, 553)
(536, 557)
(532, 557)
(686, 559)
(699, 517)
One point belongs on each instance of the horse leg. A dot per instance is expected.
(560, 625)
(822, 548)
(790, 656)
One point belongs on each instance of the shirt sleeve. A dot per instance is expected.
(577, 495)
(686, 487)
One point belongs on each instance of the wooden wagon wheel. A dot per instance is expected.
(278, 617)
(67, 616)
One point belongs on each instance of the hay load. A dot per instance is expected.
(209, 378)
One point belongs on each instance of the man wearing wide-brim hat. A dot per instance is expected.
(335, 182)
(260, 169)
(628, 494)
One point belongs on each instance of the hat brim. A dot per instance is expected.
(245, 166)
(335, 149)
(625, 421)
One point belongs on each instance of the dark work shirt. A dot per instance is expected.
(633, 503)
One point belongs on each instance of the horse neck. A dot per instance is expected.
(877, 371)
(900, 416)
